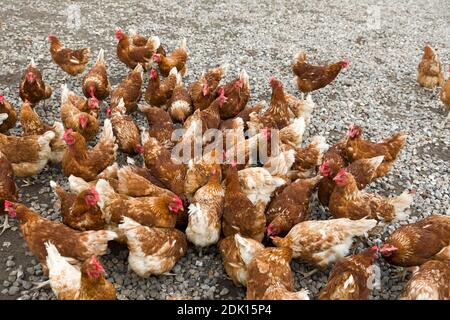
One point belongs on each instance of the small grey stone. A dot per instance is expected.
(10, 263)
(13, 290)
(153, 293)
(26, 285)
(179, 277)
(199, 263)
(224, 292)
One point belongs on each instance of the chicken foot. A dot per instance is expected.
(5, 226)
(40, 285)
(309, 274)
(26, 183)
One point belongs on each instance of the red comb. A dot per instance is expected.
(324, 167)
(139, 148)
(68, 131)
(341, 173)
(8, 204)
(345, 63)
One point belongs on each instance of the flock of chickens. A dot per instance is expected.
(257, 214)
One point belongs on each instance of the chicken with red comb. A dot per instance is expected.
(347, 201)
(429, 70)
(80, 211)
(70, 283)
(71, 61)
(356, 147)
(413, 244)
(310, 77)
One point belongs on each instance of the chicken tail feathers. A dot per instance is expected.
(104, 190)
(300, 57)
(139, 69)
(359, 227)
(154, 43)
(77, 185)
(444, 254)
(401, 203)
(243, 76)
(128, 223)
(144, 107)
(53, 256)
(3, 117)
(85, 55)
(320, 144)
(65, 92)
(247, 247)
(173, 72)
(375, 162)
(107, 134)
(293, 134)
(46, 138)
(395, 143)
(179, 79)
(183, 44)
(101, 57)
(55, 187)
(96, 242)
(58, 128)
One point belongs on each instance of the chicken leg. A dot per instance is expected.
(309, 274)
(40, 285)
(5, 226)
(26, 183)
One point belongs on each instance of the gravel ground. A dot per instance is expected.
(383, 42)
